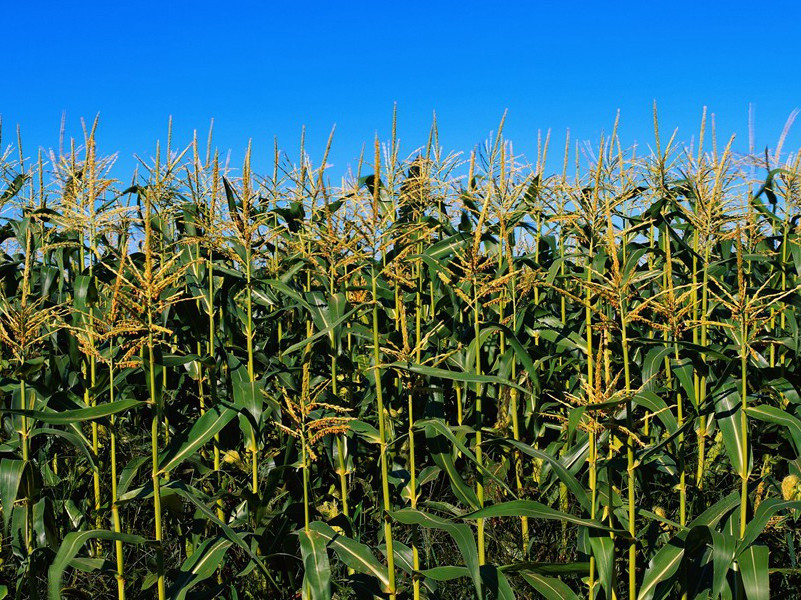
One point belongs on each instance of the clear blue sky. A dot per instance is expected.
(263, 69)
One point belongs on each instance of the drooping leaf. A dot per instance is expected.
(316, 570)
(205, 428)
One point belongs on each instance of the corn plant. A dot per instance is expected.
(434, 376)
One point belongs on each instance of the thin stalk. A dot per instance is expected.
(742, 290)
(341, 440)
(305, 459)
(605, 351)
(29, 533)
(783, 310)
(24, 434)
(379, 393)
(254, 449)
(211, 334)
(513, 406)
(155, 403)
(629, 454)
(593, 444)
(696, 316)
(702, 426)
(682, 471)
(743, 424)
(115, 510)
(95, 438)
(382, 441)
(668, 275)
(412, 464)
(479, 419)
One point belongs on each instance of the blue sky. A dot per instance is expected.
(265, 69)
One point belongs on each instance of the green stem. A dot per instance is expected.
(212, 379)
(479, 418)
(412, 465)
(26, 458)
(702, 424)
(155, 403)
(341, 441)
(305, 459)
(629, 455)
(743, 423)
(115, 510)
(383, 442)
(254, 448)
(593, 452)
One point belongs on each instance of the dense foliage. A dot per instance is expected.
(445, 377)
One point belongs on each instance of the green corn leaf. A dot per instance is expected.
(462, 376)
(653, 365)
(536, 510)
(767, 508)
(727, 413)
(11, 470)
(72, 544)
(404, 559)
(772, 414)
(316, 570)
(441, 454)
(561, 472)
(548, 568)
(662, 567)
(753, 562)
(76, 439)
(248, 398)
(205, 428)
(77, 415)
(684, 373)
(202, 564)
(85, 293)
(496, 583)
(665, 563)
(603, 549)
(550, 587)
(440, 428)
(723, 547)
(445, 573)
(328, 330)
(354, 554)
(13, 188)
(461, 533)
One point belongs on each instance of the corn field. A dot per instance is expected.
(443, 376)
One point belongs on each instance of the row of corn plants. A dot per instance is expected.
(442, 376)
